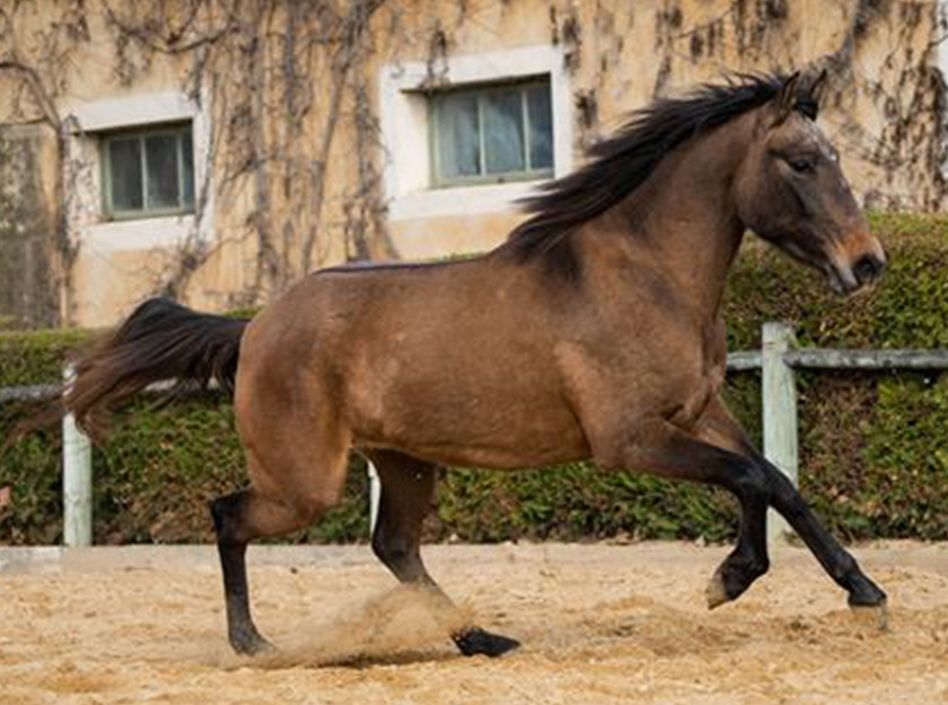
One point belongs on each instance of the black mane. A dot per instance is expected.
(623, 162)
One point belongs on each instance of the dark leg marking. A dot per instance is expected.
(675, 454)
(786, 499)
(227, 513)
(836, 560)
(748, 561)
(407, 497)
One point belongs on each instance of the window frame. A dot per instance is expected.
(178, 129)
(479, 90)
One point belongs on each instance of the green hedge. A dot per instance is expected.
(873, 453)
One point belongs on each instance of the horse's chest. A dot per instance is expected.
(687, 378)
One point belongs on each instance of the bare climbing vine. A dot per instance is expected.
(35, 83)
(279, 78)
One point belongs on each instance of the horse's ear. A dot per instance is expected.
(786, 100)
(809, 104)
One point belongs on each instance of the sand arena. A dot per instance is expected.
(599, 624)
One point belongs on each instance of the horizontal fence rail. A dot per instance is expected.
(778, 360)
(828, 359)
(841, 359)
(32, 392)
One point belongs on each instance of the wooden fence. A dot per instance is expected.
(778, 360)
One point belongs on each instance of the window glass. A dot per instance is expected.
(540, 120)
(503, 131)
(491, 134)
(161, 160)
(187, 154)
(125, 167)
(458, 146)
(148, 172)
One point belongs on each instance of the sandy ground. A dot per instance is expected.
(599, 624)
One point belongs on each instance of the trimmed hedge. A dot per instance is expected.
(873, 453)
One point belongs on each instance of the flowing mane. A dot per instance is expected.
(623, 162)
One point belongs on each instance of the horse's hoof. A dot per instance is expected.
(732, 578)
(716, 593)
(248, 643)
(477, 641)
(876, 614)
(866, 594)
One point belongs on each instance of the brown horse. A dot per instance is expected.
(593, 332)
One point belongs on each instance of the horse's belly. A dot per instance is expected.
(497, 431)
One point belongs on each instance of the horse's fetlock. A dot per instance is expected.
(845, 568)
(758, 566)
(748, 564)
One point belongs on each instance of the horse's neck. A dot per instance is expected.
(686, 220)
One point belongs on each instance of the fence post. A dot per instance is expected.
(779, 397)
(77, 480)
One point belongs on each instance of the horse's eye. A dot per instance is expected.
(802, 166)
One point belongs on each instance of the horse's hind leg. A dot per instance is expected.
(407, 497)
(288, 493)
(239, 518)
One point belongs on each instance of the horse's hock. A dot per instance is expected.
(599, 624)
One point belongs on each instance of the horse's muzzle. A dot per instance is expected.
(846, 278)
(868, 268)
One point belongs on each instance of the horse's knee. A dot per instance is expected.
(753, 485)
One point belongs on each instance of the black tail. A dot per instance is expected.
(160, 342)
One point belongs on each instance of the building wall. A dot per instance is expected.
(292, 159)
(27, 291)
(883, 111)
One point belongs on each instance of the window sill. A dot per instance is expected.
(461, 200)
(139, 233)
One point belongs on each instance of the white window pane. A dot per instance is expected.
(458, 146)
(125, 173)
(503, 131)
(541, 127)
(187, 152)
(161, 165)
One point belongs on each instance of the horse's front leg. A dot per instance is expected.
(836, 560)
(656, 445)
(717, 426)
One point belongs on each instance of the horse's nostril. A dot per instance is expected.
(868, 268)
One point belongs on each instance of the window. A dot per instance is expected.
(148, 172)
(492, 134)
(414, 180)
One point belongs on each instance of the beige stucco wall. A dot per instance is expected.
(882, 114)
(622, 56)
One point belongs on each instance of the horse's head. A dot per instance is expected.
(791, 191)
